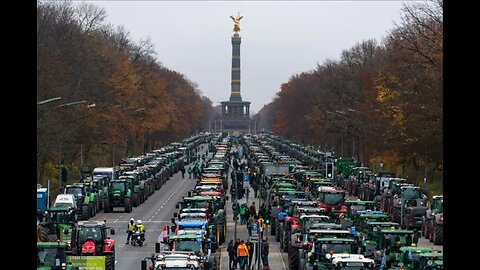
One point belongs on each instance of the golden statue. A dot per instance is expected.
(236, 20)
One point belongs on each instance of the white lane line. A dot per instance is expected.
(116, 261)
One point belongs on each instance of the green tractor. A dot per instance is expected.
(320, 255)
(85, 199)
(120, 195)
(51, 256)
(409, 258)
(98, 186)
(431, 260)
(432, 227)
(352, 208)
(203, 247)
(370, 236)
(55, 222)
(390, 242)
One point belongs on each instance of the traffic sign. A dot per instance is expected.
(255, 227)
(254, 239)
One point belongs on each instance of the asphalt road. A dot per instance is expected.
(154, 213)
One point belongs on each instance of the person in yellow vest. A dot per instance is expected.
(242, 255)
(130, 229)
(141, 229)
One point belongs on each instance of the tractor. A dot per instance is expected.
(390, 242)
(409, 258)
(85, 199)
(431, 260)
(409, 207)
(89, 242)
(432, 227)
(120, 195)
(56, 220)
(51, 256)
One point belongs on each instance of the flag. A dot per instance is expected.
(163, 235)
(382, 265)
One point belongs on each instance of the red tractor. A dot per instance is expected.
(90, 239)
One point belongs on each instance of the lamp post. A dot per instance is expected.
(48, 100)
(39, 121)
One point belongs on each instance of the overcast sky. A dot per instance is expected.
(279, 38)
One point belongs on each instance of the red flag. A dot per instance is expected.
(163, 235)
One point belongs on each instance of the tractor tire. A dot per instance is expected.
(110, 262)
(135, 201)
(97, 206)
(396, 214)
(293, 258)
(302, 260)
(100, 204)
(286, 243)
(85, 212)
(42, 234)
(277, 231)
(128, 205)
(106, 206)
(437, 235)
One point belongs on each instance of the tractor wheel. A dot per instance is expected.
(135, 200)
(85, 212)
(97, 206)
(128, 205)
(302, 260)
(293, 258)
(100, 204)
(278, 233)
(106, 205)
(396, 214)
(110, 262)
(42, 234)
(438, 235)
(286, 243)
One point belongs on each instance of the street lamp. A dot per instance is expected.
(48, 100)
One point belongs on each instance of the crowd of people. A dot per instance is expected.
(241, 253)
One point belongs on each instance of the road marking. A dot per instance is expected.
(115, 220)
(116, 262)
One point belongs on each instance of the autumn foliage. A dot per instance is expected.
(131, 102)
(381, 103)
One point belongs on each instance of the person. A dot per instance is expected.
(141, 229)
(183, 172)
(253, 210)
(235, 247)
(264, 249)
(250, 225)
(190, 172)
(39, 215)
(243, 210)
(130, 229)
(231, 255)
(242, 254)
(236, 210)
(250, 248)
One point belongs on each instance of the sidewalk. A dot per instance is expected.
(275, 259)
